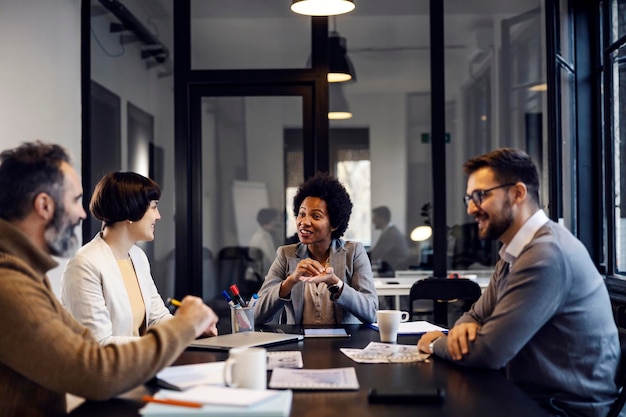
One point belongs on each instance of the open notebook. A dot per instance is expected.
(245, 339)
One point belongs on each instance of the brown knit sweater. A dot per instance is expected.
(45, 352)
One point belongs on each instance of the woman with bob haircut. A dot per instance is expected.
(322, 279)
(107, 285)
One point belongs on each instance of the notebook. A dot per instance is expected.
(278, 405)
(245, 339)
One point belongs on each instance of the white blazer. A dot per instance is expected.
(93, 290)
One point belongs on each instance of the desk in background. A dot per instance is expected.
(403, 281)
(469, 392)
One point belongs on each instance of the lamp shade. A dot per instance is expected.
(421, 233)
(338, 108)
(340, 66)
(322, 7)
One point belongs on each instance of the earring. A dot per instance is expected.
(130, 221)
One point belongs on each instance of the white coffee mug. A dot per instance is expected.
(246, 368)
(388, 323)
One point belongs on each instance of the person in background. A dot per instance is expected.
(263, 238)
(322, 279)
(45, 352)
(391, 246)
(108, 286)
(546, 314)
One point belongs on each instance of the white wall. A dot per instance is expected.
(40, 78)
(385, 116)
(120, 69)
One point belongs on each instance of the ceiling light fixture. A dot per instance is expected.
(322, 7)
(539, 87)
(340, 66)
(338, 108)
(421, 233)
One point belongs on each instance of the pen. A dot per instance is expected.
(238, 297)
(253, 300)
(229, 300)
(174, 302)
(149, 399)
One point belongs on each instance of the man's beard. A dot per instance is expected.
(498, 225)
(59, 234)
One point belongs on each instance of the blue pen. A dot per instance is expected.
(228, 299)
(253, 300)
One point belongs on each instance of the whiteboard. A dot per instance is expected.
(248, 199)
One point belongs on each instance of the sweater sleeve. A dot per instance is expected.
(45, 344)
(532, 294)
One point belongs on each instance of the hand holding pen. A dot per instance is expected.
(194, 310)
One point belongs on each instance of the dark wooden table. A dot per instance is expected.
(468, 392)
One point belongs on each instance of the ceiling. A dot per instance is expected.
(388, 40)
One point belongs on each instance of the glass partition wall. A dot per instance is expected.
(131, 111)
(495, 97)
(256, 94)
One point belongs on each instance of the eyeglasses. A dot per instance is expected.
(477, 196)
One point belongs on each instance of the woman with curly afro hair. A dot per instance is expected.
(322, 279)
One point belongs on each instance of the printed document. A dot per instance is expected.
(376, 352)
(315, 379)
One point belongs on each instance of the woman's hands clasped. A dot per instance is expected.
(308, 270)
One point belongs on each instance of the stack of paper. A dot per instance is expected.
(415, 327)
(315, 379)
(186, 376)
(220, 401)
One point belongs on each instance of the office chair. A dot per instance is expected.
(241, 265)
(443, 291)
(618, 405)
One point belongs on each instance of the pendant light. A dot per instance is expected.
(338, 108)
(340, 68)
(322, 7)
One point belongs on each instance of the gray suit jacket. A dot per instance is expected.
(358, 301)
(548, 319)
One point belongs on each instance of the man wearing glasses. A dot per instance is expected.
(546, 315)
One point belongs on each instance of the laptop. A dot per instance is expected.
(245, 339)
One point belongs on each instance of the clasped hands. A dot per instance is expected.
(458, 340)
(310, 270)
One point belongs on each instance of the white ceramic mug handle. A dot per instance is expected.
(228, 372)
(405, 316)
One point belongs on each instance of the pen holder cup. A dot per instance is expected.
(242, 319)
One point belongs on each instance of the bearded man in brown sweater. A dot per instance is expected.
(45, 352)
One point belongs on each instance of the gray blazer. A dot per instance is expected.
(548, 319)
(358, 301)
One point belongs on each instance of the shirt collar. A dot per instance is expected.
(523, 236)
(336, 245)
